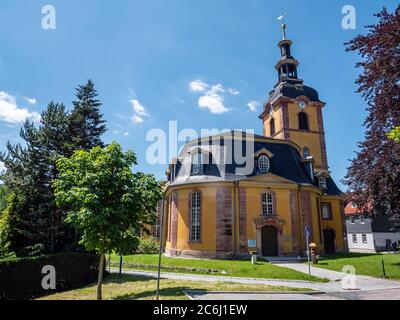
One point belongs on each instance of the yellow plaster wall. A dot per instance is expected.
(208, 222)
(277, 115)
(254, 210)
(311, 112)
(336, 222)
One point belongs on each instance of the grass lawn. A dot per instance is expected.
(141, 288)
(233, 268)
(365, 264)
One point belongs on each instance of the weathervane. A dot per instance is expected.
(283, 19)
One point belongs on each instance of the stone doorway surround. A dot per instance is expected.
(269, 221)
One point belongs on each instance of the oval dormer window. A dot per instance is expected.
(263, 163)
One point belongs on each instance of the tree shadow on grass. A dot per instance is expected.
(116, 279)
(349, 255)
(174, 292)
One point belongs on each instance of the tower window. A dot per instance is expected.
(267, 201)
(303, 121)
(272, 127)
(195, 217)
(306, 152)
(263, 163)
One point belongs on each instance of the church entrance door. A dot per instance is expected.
(329, 241)
(269, 237)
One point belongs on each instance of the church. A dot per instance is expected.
(235, 193)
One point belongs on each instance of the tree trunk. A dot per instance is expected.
(100, 280)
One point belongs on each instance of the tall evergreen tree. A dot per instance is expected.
(373, 178)
(34, 223)
(87, 124)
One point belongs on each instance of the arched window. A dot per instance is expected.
(272, 127)
(197, 163)
(195, 217)
(303, 121)
(267, 201)
(263, 163)
(306, 152)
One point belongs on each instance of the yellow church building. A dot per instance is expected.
(236, 192)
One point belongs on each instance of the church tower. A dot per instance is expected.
(293, 110)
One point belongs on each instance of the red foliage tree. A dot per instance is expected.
(374, 175)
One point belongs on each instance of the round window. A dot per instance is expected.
(263, 164)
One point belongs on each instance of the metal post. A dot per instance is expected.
(308, 256)
(383, 269)
(160, 251)
(120, 265)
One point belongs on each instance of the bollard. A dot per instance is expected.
(253, 257)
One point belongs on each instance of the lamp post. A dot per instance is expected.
(160, 251)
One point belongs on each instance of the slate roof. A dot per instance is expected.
(293, 89)
(285, 163)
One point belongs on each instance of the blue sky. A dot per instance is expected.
(145, 54)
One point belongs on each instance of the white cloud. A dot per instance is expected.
(233, 92)
(212, 98)
(125, 133)
(139, 110)
(198, 86)
(253, 106)
(12, 113)
(31, 101)
(2, 167)
(137, 119)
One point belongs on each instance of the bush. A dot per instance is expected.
(21, 279)
(148, 245)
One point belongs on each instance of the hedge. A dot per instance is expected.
(21, 279)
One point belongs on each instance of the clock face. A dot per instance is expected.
(302, 105)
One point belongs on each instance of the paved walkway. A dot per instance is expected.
(336, 278)
(362, 282)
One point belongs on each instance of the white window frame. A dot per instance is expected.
(362, 219)
(267, 203)
(364, 238)
(197, 163)
(264, 163)
(329, 206)
(195, 217)
(355, 238)
(322, 182)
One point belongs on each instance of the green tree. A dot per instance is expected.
(3, 197)
(35, 225)
(395, 134)
(105, 200)
(86, 122)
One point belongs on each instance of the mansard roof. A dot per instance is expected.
(285, 162)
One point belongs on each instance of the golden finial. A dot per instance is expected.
(283, 26)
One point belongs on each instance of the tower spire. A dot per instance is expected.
(283, 25)
(287, 65)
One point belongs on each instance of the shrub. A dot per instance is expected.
(21, 279)
(148, 245)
